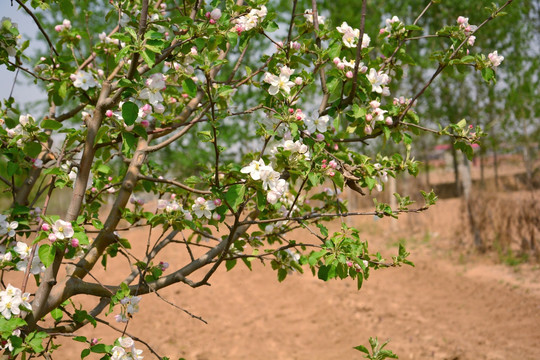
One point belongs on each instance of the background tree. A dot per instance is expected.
(172, 75)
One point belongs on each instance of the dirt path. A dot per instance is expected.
(438, 310)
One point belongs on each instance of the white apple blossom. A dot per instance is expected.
(153, 95)
(319, 124)
(377, 80)
(22, 249)
(84, 80)
(254, 169)
(8, 228)
(281, 82)
(203, 207)
(156, 81)
(62, 229)
(36, 267)
(269, 177)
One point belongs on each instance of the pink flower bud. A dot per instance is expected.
(207, 15)
(94, 341)
(94, 190)
(216, 216)
(145, 123)
(45, 227)
(336, 147)
(163, 265)
(349, 74)
(212, 21)
(298, 81)
(388, 121)
(470, 126)
(239, 29)
(349, 263)
(340, 66)
(109, 178)
(217, 202)
(331, 173)
(368, 130)
(58, 28)
(323, 166)
(52, 237)
(109, 113)
(333, 164)
(369, 117)
(42, 58)
(291, 111)
(172, 100)
(336, 60)
(185, 96)
(298, 117)
(382, 31)
(320, 137)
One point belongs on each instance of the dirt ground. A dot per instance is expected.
(452, 305)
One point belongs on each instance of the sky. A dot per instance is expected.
(25, 91)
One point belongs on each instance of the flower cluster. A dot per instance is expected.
(270, 178)
(376, 115)
(12, 301)
(251, 20)
(125, 350)
(394, 26)
(382, 176)
(308, 15)
(172, 205)
(495, 59)
(467, 28)
(281, 82)
(351, 36)
(65, 25)
(130, 306)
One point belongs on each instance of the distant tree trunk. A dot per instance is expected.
(482, 164)
(456, 170)
(466, 186)
(496, 167)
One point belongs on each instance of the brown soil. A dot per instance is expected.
(452, 305)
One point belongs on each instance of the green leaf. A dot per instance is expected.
(100, 348)
(359, 281)
(323, 272)
(57, 314)
(149, 57)
(7, 326)
(229, 264)
(80, 339)
(362, 349)
(13, 168)
(35, 339)
(189, 87)
(130, 112)
(46, 254)
(51, 124)
(271, 27)
(281, 274)
(32, 149)
(85, 353)
(235, 196)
